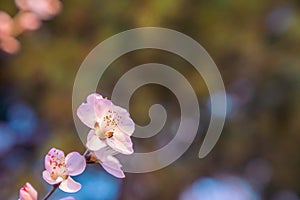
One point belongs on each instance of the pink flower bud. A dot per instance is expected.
(27, 192)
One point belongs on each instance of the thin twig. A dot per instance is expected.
(85, 153)
(51, 192)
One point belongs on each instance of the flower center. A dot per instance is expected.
(107, 131)
(58, 165)
(54, 176)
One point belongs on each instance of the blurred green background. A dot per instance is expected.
(256, 46)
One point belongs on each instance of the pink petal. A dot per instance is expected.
(113, 166)
(121, 111)
(47, 177)
(25, 196)
(6, 24)
(123, 120)
(54, 7)
(120, 142)
(68, 198)
(21, 4)
(53, 153)
(109, 163)
(9, 44)
(126, 125)
(27, 192)
(45, 9)
(69, 185)
(75, 163)
(28, 21)
(103, 107)
(93, 142)
(33, 193)
(86, 113)
(57, 152)
(93, 98)
(102, 154)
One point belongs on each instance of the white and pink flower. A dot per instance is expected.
(27, 192)
(110, 125)
(59, 169)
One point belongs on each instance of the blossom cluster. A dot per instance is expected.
(111, 128)
(109, 135)
(29, 18)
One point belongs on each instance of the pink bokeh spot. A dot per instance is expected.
(28, 21)
(7, 42)
(6, 24)
(43, 9)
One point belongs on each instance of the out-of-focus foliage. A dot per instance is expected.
(255, 44)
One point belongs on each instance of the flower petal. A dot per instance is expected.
(68, 198)
(109, 163)
(93, 142)
(113, 166)
(28, 21)
(6, 24)
(27, 192)
(24, 195)
(69, 185)
(93, 98)
(53, 153)
(86, 113)
(10, 45)
(47, 177)
(102, 154)
(124, 122)
(75, 163)
(103, 107)
(126, 125)
(121, 111)
(33, 193)
(59, 179)
(120, 142)
(21, 4)
(45, 9)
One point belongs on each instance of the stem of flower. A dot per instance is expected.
(89, 158)
(51, 191)
(85, 153)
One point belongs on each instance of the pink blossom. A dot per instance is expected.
(28, 21)
(59, 169)
(7, 42)
(6, 24)
(43, 9)
(27, 192)
(110, 125)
